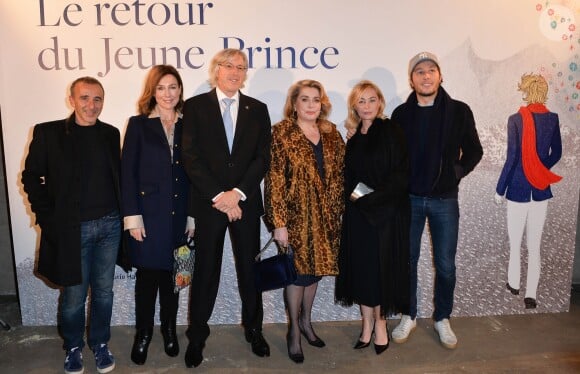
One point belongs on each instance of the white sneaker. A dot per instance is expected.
(403, 330)
(446, 334)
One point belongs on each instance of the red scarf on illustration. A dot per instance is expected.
(536, 173)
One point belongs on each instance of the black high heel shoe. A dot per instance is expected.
(317, 342)
(381, 348)
(360, 344)
(296, 357)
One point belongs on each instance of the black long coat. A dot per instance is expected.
(387, 210)
(52, 180)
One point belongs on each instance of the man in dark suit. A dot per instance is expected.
(226, 152)
(71, 176)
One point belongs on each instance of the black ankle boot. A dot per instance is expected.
(170, 342)
(140, 345)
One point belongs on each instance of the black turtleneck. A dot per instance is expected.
(97, 192)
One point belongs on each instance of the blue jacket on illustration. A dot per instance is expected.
(548, 146)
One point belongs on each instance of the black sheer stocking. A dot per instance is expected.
(294, 296)
(306, 312)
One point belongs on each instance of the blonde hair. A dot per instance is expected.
(325, 105)
(534, 87)
(147, 101)
(353, 118)
(222, 57)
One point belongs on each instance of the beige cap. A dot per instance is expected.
(420, 57)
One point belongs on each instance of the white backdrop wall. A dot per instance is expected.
(484, 48)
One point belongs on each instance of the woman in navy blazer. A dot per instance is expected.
(534, 146)
(155, 198)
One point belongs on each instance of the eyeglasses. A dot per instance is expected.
(230, 67)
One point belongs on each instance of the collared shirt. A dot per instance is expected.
(233, 108)
(234, 113)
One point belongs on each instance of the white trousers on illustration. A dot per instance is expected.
(519, 216)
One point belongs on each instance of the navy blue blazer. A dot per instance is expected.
(155, 187)
(549, 148)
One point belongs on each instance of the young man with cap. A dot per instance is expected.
(443, 148)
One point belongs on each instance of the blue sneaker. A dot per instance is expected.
(73, 363)
(104, 358)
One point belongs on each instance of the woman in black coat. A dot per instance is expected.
(155, 195)
(374, 252)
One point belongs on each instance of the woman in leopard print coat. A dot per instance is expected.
(304, 200)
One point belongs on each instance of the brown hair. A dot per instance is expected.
(353, 118)
(147, 101)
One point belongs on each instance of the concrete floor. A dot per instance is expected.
(529, 343)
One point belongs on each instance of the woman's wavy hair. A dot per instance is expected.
(325, 107)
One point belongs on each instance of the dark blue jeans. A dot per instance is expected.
(443, 218)
(99, 246)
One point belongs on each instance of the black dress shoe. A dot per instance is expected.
(512, 290)
(259, 345)
(193, 355)
(296, 357)
(530, 303)
(140, 345)
(170, 341)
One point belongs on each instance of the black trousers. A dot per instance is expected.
(210, 233)
(148, 282)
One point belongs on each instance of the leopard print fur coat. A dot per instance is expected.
(298, 199)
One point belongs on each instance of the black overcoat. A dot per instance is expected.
(52, 180)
